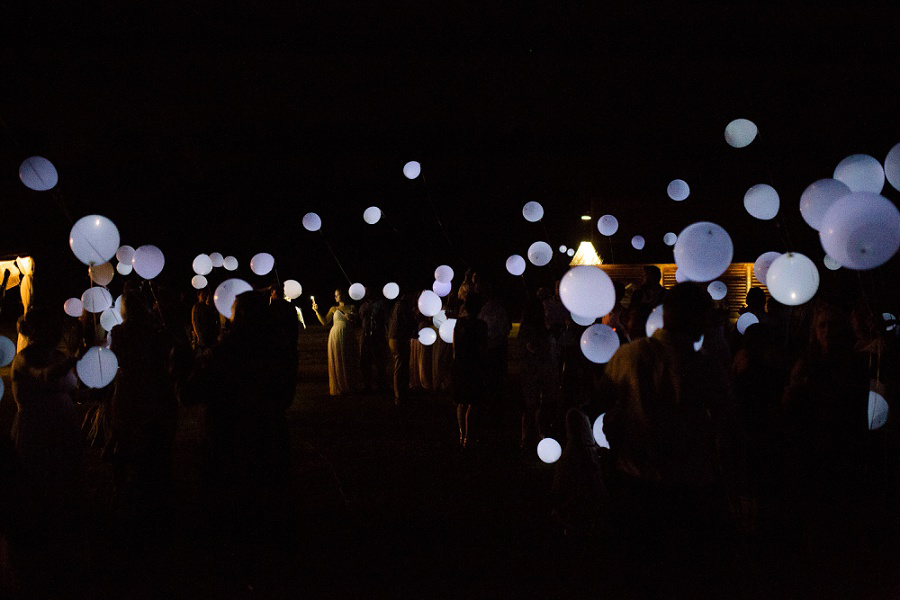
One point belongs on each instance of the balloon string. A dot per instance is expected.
(404, 240)
(336, 258)
(434, 210)
(546, 233)
(784, 233)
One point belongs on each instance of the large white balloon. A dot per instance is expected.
(73, 307)
(429, 303)
(587, 291)
(38, 174)
(533, 212)
(654, 321)
(427, 336)
(861, 173)
(878, 410)
(216, 259)
(202, 264)
(230, 263)
(792, 279)
(703, 250)
(762, 264)
(740, 133)
(390, 290)
(608, 225)
(292, 289)
(637, 242)
(96, 299)
(444, 274)
(109, 318)
(599, 343)
(669, 239)
(599, 436)
(148, 261)
(678, 190)
(412, 169)
(861, 230)
(94, 239)
(818, 197)
(746, 320)
(717, 290)
(98, 367)
(540, 253)
(198, 282)
(441, 288)
(515, 265)
(357, 291)
(7, 351)
(762, 201)
(892, 167)
(125, 254)
(549, 450)
(446, 330)
(101, 274)
(312, 222)
(262, 263)
(225, 294)
(372, 215)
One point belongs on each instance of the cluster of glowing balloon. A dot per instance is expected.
(292, 289)
(746, 320)
(762, 264)
(669, 239)
(390, 290)
(878, 410)
(533, 212)
(96, 299)
(892, 167)
(515, 265)
(202, 264)
(444, 274)
(599, 343)
(357, 291)
(125, 254)
(637, 242)
(562, 249)
(148, 261)
(230, 263)
(607, 225)
(818, 197)
(599, 436)
(740, 133)
(109, 318)
(703, 250)
(198, 282)
(224, 296)
(429, 303)
(762, 202)
(312, 222)
(427, 336)
(717, 290)
(216, 259)
(94, 239)
(549, 450)
(38, 174)
(7, 351)
(441, 288)
(98, 367)
(570, 252)
(372, 215)
(440, 318)
(587, 291)
(654, 321)
(792, 279)
(540, 253)
(830, 263)
(861, 173)
(262, 263)
(412, 169)
(446, 330)
(861, 230)
(101, 274)
(678, 190)
(73, 307)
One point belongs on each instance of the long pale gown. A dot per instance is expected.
(343, 356)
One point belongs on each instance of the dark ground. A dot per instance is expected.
(389, 507)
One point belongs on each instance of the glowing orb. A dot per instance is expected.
(830, 263)
(562, 249)
(740, 133)
(372, 215)
(570, 252)
(292, 289)
(762, 202)
(73, 307)
(94, 239)
(540, 253)
(7, 351)
(357, 291)
(124, 268)
(608, 225)
(637, 242)
(216, 259)
(746, 320)
(261, 264)
(101, 274)
(390, 290)
(549, 450)
(440, 318)
(38, 174)
(427, 336)
(312, 222)
(818, 197)
(444, 274)
(717, 290)
(792, 279)
(98, 367)
(654, 321)
(587, 291)
(599, 436)
(861, 230)
(202, 264)
(669, 239)
(533, 212)
(441, 288)
(429, 303)
(762, 264)
(224, 296)
(599, 343)
(148, 261)
(861, 173)
(703, 250)
(878, 410)
(446, 330)
(125, 254)
(109, 318)
(198, 282)
(412, 169)
(515, 265)
(678, 190)
(96, 299)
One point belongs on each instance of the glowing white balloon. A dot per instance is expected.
(762, 264)
(740, 133)
(230, 263)
(101, 274)
(818, 197)
(654, 321)
(38, 174)
(540, 253)
(429, 303)
(98, 367)
(515, 265)
(861, 173)
(372, 215)
(262, 263)
(109, 318)
(390, 290)
(199, 282)
(446, 330)
(637, 242)
(94, 239)
(861, 230)
(440, 318)
(717, 290)
(608, 225)
(889, 318)
(224, 296)
(125, 254)
(792, 279)
(582, 320)
(703, 250)
(412, 169)
(96, 299)
(599, 343)
(549, 450)
(570, 252)
(533, 212)
(73, 307)
(292, 289)
(830, 263)
(216, 259)
(312, 222)
(587, 291)
(562, 249)
(202, 264)
(357, 291)
(441, 289)
(878, 410)
(746, 320)
(892, 167)
(678, 190)
(698, 345)
(599, 436)
(669, 239)
(7, 351)
(427, 336)
(148, 261)
(444, 274)
(762, 202)
(124, 268)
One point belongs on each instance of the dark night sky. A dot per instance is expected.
(202, 127)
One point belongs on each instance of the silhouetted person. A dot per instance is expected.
(650, 292)
(540, 378)
(469, 343)
(578, 493)
(401, 329)
(204, 321)
(373, 342)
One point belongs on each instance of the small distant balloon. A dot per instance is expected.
(587, 291)
(678, 190)
(429, 303)
(109, 318)
(717, 290)
(216, 259)
(570, 252)
(224, 296)
(312, 222)
(515, 265)
(73, 307)
(446, 330)
(390, 290)
(830, 263)
(441, 288)
(292, 289)
(125, 254)
(599, 343)
(861, 230)
(124, 268)
(861, 173)
(262, 263)
(654, 321)
(892, 167)
(38, 174)
(549, 450)
(199, 282)
(792, 279)
(562, 249)
(762, 264)
(746, 320)
(7, 351)
(427, 336)
(98, 367)
(762, 202)
(599, 436)
(202, 264)
(608, 225)
(703, 250)
(444, 274)
(440, 318)
(533, 212)
(94, 239)
(669, 239)
(148, 261)
(818, 197)
(878, 410)
(96, 299)
(412, 169)
(372, 215)
(101, 274)
(230, 263)
(740, 133)
(357, 291)
(540, 253)
(637, 242)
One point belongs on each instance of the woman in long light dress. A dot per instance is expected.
(343, 346)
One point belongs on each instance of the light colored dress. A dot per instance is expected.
(343, 356)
